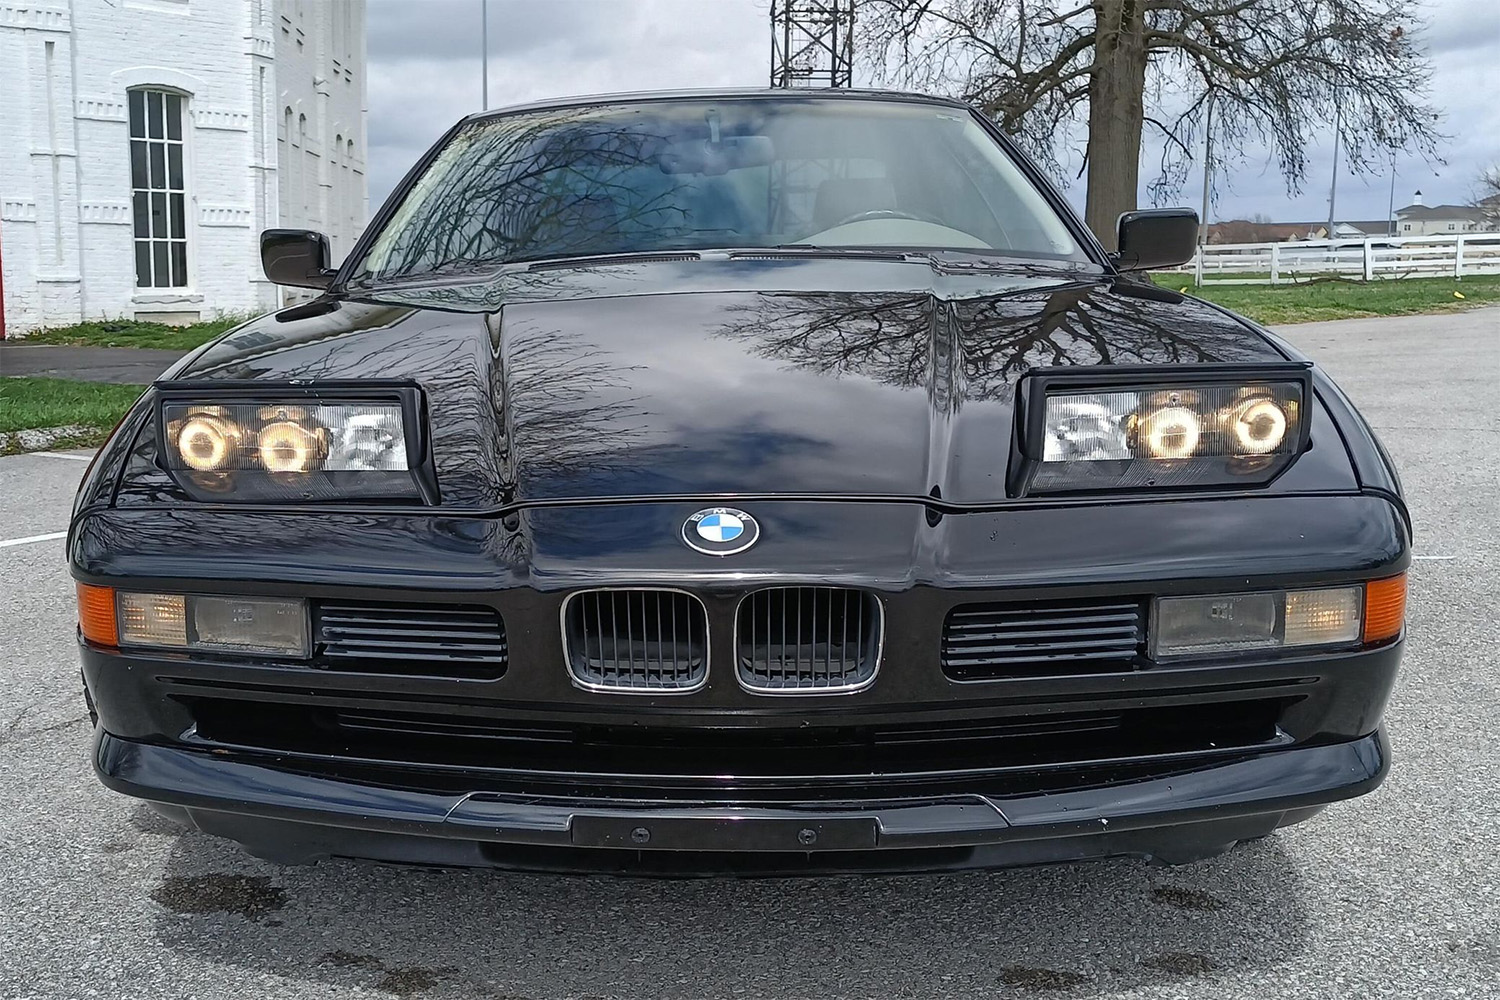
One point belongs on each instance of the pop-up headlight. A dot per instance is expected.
(1114, 429)
(293, 444)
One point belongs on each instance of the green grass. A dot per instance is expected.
(27, 403)
(1325, 300)
(130, 333)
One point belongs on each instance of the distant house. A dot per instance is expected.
(1418, 219)
(1243, 231)
(1350, 230)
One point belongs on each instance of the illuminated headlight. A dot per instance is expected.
(292, 449)
(214, 624)
(1161, 436)
(1230, 623)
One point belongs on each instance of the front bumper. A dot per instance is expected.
(916, 772)
(291, 815)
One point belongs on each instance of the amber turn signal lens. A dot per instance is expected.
(1385, 608)
(96, 614)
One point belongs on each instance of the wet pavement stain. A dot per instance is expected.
(408, 982)
(399, 982)
(1182, 963)
(1187, 899)
(250, 897)
(1040, 979)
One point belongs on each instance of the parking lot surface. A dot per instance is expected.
(1393, 895)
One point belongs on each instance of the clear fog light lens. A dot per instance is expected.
(1227, 623)
(1220, 624)
(250, 624)
(223, 624)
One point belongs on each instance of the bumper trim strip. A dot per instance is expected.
(1273, 782)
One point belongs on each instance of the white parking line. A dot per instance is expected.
(8, 542)
(58, 454)
(1437, 558)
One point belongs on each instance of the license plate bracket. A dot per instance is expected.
(725, 833)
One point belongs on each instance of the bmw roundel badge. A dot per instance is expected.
(720, 531)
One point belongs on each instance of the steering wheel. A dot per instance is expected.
(877, 213)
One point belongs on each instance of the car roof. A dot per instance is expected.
(780, 93)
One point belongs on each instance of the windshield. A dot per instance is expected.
(704, 174)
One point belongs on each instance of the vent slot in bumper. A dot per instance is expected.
(427, 640)
(589, 758)
(996, 641)
(641, 641)
(807, 640)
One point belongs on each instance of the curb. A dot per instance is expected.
(43, 438)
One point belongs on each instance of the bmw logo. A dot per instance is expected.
(720, 531)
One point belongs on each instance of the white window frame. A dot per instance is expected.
(175, 203)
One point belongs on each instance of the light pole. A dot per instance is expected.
(1208, 167)
(484, 51)
(1333, 183)
(1390, 210)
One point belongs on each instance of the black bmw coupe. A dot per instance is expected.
(740, 482)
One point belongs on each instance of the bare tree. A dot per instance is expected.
(1486, 195)
(1272, 71)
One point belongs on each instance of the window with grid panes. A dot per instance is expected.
(158, 189)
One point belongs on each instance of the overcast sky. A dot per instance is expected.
(424, 60)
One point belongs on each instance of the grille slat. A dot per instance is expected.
(637, 640)
(998, 641)
(792, 640)
(419, 640)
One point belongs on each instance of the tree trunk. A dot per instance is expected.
(1117, 90)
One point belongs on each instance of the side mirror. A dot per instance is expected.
(296, 257)
(1156, 237)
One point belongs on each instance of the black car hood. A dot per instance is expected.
(702, 379)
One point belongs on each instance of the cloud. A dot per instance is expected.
(1462, 37)
(424, 66)
(424, 59)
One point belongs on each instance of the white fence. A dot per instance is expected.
(1359, 259)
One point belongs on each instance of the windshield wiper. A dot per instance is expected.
(443, 272)
(877, 252)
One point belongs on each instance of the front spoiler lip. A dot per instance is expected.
(1268, 783)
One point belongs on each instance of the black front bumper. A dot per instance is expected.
(291, 815)
(1199, 758)
(918, 771)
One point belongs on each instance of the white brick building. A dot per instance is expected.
(144, 144)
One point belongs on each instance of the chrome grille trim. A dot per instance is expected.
(1002, 641)
(674, 661)
(795, 667)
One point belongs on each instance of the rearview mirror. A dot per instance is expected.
(1156, 237)
(296, 257)
(716, 158)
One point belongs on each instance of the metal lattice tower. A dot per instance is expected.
(812, 43)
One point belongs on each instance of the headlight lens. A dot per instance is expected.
(1167, 436)
(290, 450)
(1229, 623)
(214, 624)
(207, 441)
(1260, 425)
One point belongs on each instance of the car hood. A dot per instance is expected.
(755, 378)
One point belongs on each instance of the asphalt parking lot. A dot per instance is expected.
(1393, 895)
